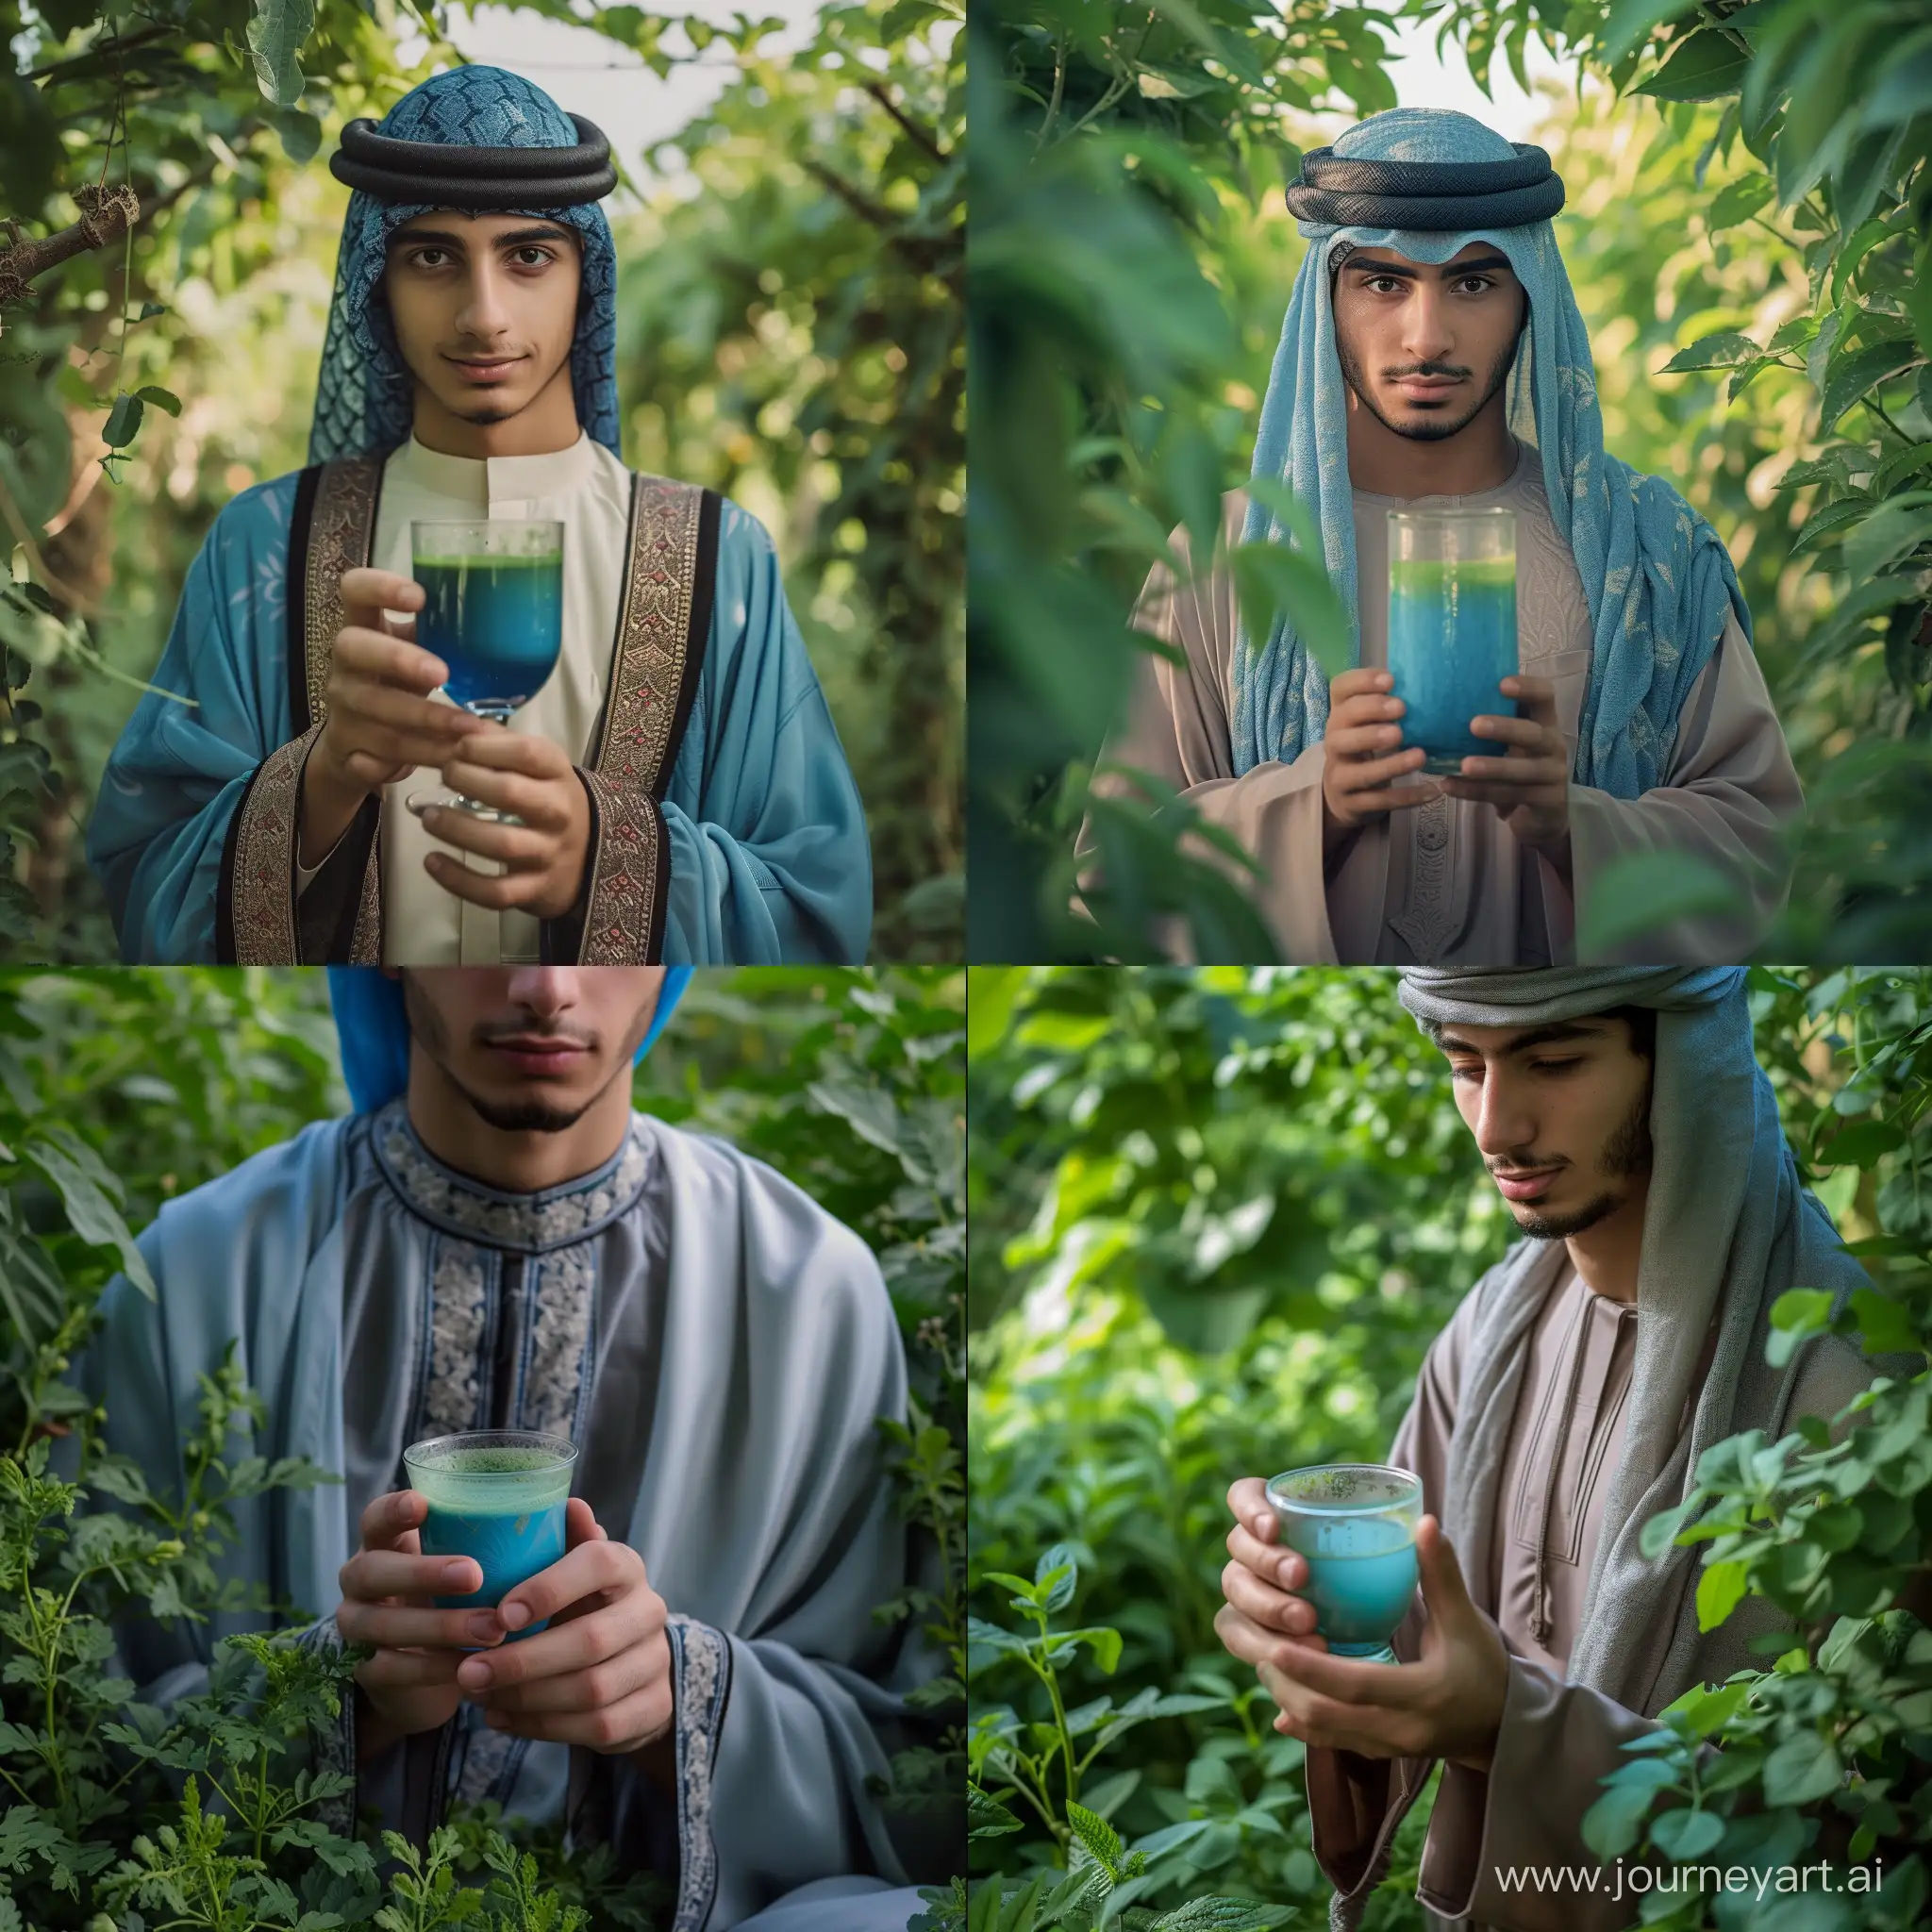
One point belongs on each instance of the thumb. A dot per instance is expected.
(579, 1524)
(1443, 1590)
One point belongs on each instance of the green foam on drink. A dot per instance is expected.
(1434, 577)
(542, 560)
(493, 1482)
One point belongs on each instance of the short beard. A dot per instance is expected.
(1434, 430)
(1626, 1155)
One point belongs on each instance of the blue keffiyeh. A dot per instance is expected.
(1657, 577)
(365, 400)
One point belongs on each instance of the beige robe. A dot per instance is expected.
(1557, 1738)
(1445, 883)
(588, 490)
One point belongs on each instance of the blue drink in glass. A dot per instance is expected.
(1355, 1524)
(1452, 627)
(493, 611)
(498, 1498)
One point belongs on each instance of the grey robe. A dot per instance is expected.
(1446, 882)
(719, 1347)
(1557, 1738)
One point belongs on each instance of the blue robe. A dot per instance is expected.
(769, 858)
(719, 1347)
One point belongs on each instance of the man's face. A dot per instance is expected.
(1425, 345)
(530, 1048)
(1561, 1114)
(485, 308)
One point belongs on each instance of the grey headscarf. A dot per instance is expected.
(1727, 1229)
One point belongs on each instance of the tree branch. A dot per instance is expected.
(106, 215)
(877, 89)
(100, 49)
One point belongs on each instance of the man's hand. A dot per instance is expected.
(1447, 1704)
(1529, 786)
(410, 1683)
(545, 855)
(1362, 758)
(600, 1675)
(381, 721)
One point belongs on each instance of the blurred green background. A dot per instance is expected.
(1218, 1216)
(1748, 230)
(792, 249)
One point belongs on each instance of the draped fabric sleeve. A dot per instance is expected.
(1177, 731)
(179, 772)
(763, 837)
(1730, 799)
(793, 1702)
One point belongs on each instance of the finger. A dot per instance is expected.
(405, 1669)
(539, 802)
(642, 1717)
(1536, 697)
(504, 750)
(516, 846)
(1349, 1680)
(1359, 683)
(375, 654)
(370, 772)
(1524, 731)
(576, 1644)
(1360, 741)
(1323, 1723)
(1243, 1638)
(371, 1575)
(404, 1626)
(495, 892)
(1442, 1585)
(1368, 709)
(578, 1572)
(1262, 1604)
(591, 1689)
(1362, 775)
(367, 593)
(1277, 1568)
(579, 1522)
(1247, 1498)
(390, 1517)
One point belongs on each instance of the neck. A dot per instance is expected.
(514, 1162)
(1480, 456)
(1608, 1255)
(548, 423)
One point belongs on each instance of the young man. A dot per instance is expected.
(1623, 1117)
(1433, 357)
(677, 787)
(495, 1241)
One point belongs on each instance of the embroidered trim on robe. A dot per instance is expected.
(657, 657)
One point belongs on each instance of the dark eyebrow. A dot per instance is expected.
(1450, 271)
(517, 238)
(1557, 1032)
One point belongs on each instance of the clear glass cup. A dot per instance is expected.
(493, 611)
(497, 1496)
(1452, 627)
(1355, 1523)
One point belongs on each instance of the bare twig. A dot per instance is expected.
(75, 599)
(914, 131)
(106, 215)
(856, 199)
(99, 49)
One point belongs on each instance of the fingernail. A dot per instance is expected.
(458, 1575)
(514, 1615)
(484, 1628)
(474, 1676)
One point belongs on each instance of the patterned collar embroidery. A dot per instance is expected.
(532, 1224)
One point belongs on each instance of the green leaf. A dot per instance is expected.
(123, 422)
(1273, 580)
(1857, 373)
(1098, 1836)
(160, 398)
(1860, 1144)
(1737, 202)
(91, 1214)
(1720, 1591)
(1222, 1915)
(1891, 532)
(987, 1817)
(1630, 22)
(276, 32)
(1615, 1821)
(1702, 68)
(1059, 1558)
(1633, 897)
(1685, 1835)
(1725, 350)
(1802, 1769)
(1886, 1327)
(1103, 1643)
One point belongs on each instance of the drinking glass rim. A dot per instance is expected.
(1495, 510)
(437, 530)
(564, 1452)
(1311, 1508)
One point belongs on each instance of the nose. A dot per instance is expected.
(544, 990)
(1503, 1122)
(483, 315)
(1426, 336)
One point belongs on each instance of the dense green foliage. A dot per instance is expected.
(119, 1089)
(1131, 266)
(792, 334)
(1218, 1218)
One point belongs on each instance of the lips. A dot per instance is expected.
(1423, 386)
(1528, 1186)
(484, 371)
(538, 1057)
